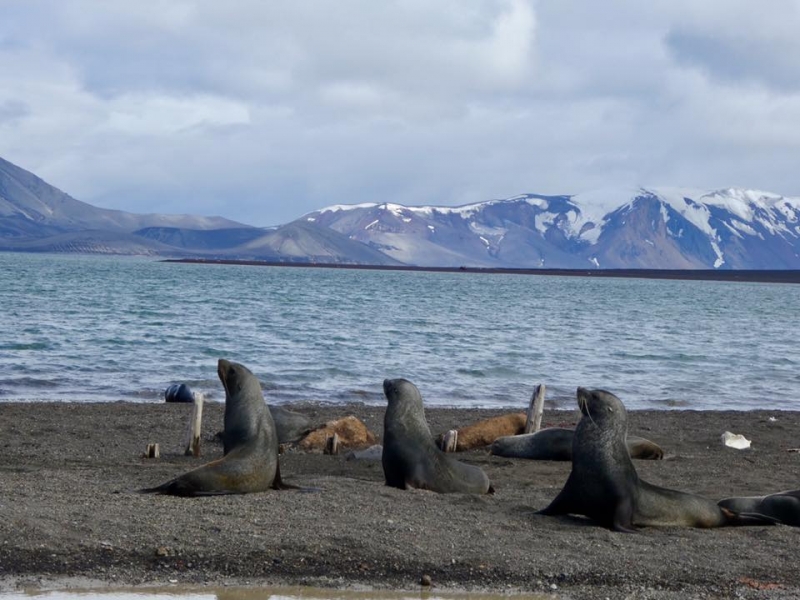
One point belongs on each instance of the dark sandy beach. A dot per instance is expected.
(70, 515)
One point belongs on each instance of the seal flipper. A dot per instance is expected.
(183, 488)
(561, 505)
(278, 484)
(748, 518)
(623, 517)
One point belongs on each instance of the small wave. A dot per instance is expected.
(782, 360)
(671, 402)
(145, 394)
(215, 352)
(29, 346)
(680, 357)
(354, 395)
(471, 372)
(30, 382)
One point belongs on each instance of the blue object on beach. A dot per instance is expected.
(178, 392)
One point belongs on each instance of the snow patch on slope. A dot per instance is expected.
(594, 207)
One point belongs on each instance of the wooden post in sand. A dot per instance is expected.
(152, 451)
(332, 444)
(195, 423)
(535, 410)
(450, 441)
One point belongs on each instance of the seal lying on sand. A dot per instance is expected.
(410, 457)
(555, 443)
(485, 432)
(291, 426)
(782, 507)
(604, 486)
(250, 463)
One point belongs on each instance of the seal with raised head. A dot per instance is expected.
(555, 443)
(781, 507)
(410, 457)
(250, 463)
(604, 486)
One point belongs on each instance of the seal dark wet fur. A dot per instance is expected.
(555, 443)
(290, 425)
(410, 457)
(781, 507)
(250, 463)
(604, 485)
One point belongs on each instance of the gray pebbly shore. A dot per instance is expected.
(69, 513)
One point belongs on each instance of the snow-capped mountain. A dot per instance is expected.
(639, 228)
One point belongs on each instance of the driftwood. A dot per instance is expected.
(450, 441)
(535, 410)
(192, 442)
(332, 444)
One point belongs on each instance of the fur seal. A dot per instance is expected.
(351, 431)
(410, 457)
(782, 507)
(487, 431)
(250, 463)
(291, 426)
(604, 485)
(178, 392)
(555, 443)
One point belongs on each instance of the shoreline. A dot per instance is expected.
(750, 276)
(69, 472)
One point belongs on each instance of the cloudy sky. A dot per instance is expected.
(262, 111)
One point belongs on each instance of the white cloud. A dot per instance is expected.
(152, 115)
(265, 110)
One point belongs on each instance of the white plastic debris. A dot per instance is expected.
(735, 440)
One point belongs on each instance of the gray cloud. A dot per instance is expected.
(741, 43)
(262, 111)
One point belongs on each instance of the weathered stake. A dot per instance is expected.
(535, 410)
(332, 444)
(450, 441)
(152, 451)
(192, 442)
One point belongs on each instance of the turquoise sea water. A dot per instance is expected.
(85, 328)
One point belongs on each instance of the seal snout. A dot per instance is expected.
(389, 388)
(224, 368)
(583, 396)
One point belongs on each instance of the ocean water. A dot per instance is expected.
(88, 329)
